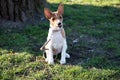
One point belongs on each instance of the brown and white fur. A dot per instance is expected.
(56, 35)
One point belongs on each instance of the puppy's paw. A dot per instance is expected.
(46, 60)
(62, 62)
(50, 62)
(67, 55)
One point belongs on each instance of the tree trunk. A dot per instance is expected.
(19, 10)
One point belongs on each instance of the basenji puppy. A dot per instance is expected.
(56, 36)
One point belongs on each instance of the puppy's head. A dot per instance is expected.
(55, 18)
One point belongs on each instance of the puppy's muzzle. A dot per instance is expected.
(59, 25)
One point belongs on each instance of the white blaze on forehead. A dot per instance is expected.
(58, 21)
(56, 15)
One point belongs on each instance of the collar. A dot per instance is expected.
(56, 30)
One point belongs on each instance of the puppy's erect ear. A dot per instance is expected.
(60, 9)
(48, 13)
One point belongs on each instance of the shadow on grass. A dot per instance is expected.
(82, 22)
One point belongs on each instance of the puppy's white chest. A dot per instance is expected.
(57, 40)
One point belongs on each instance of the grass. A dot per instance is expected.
(96, 55)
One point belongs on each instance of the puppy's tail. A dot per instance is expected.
(43, 47)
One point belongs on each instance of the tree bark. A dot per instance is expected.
(19, 10)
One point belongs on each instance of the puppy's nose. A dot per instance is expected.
(59, 25)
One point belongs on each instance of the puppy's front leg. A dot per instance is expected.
(50, 56)
(63, 54)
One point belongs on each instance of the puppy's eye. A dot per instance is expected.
(60, 17)
(53, 19)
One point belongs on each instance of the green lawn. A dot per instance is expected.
(95, 24)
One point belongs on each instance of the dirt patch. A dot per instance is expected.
(6, 24)
(81, 49)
